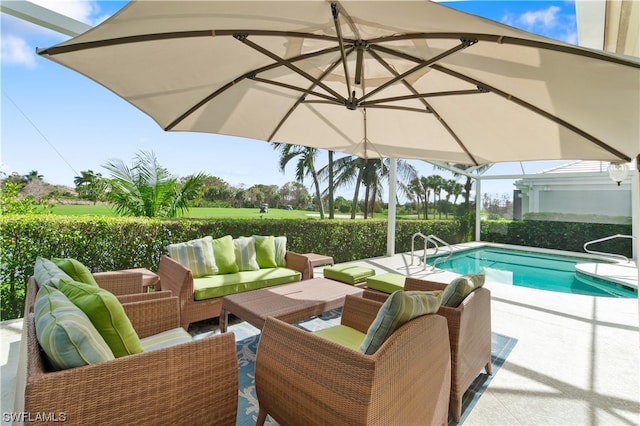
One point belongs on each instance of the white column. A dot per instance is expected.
(478, 206)
(391, 213)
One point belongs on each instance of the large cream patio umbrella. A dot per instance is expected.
(413, 80)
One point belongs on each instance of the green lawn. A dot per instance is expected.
(195, 212)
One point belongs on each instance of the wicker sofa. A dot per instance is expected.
(180, 281)
(190, 383)
(302, 378)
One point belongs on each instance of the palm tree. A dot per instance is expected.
(90, 185)
(304, 167)
(416, 191)
(147, 189)
(449, 187)
(32, 175)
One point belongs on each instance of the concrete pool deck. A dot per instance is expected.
(576, 360)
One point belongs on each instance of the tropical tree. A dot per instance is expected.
(32, 175)
(148, 189)
(304, 167)
(90, 186)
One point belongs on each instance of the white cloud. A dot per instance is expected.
(546, 17)
(15, 51)
(550, 22)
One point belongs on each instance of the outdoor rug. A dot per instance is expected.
(247, 338)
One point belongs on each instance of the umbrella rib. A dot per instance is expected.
(296, 89)
(336, 23)
(423, 95)
(237, 80)
(428, 108)
(288, 64)
(463, 45)
(511, 40)
(537, 110)
(301, 99)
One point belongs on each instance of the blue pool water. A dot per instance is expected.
(531, 269)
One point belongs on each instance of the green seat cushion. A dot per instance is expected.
(387, 283)
(349, 274)
(245, 251)
(225, 255)
(165, 339)
(48, 273)
(196, 255)
(76, 270)
(222, 285)
(106, 314)
(265, 251)
(458, 289)
(65, 333)
(399, 308)
(342, 335)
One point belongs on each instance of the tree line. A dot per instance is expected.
(146, 188)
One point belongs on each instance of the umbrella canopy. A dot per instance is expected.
(414, 79)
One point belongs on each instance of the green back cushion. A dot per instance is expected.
(65, 333)
(76, 270)
(196, 255)
(265, 251)
(106, 314)
(456, 291)
(48, 273)
(245, 251)
(281, 250)
(224, 255)
(400, 307)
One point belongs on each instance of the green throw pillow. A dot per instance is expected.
(265, 251)
(281, 250)
(197, 255)
(48, 273)
(225, 255)
(399, 308)
(456, 291)
(245, 250)
(76, 270)
(65, 333)
(106, 314)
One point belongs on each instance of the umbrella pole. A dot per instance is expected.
(391, 212)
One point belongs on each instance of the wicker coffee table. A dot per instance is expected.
(288, 302)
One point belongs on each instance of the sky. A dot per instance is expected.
(59, 123)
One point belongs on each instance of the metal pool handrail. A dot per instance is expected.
(433, 240)
(617, 256)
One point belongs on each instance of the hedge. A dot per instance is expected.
(111, 243)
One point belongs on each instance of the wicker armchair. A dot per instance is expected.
(469, 335)
(179, 281)
(305, 379)
(192, 383)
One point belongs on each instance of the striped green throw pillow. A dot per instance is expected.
(196, 255)
(48, 273)
(245, 250)
(456, 291)
(281, 250)
(65, 333)
(106, 314)
(399, 308)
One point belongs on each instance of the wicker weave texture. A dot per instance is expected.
(304, 379)
(179, 280)
(194, 383)
(469, 336)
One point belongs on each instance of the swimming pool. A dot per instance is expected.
(543, 271)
